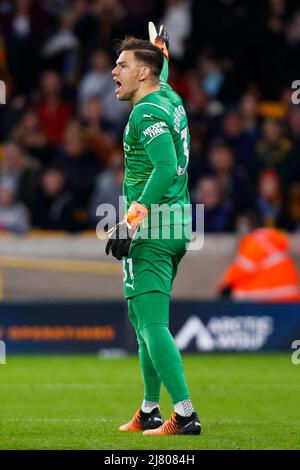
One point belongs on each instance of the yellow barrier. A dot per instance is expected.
(59, 265)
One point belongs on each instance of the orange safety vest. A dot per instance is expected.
(263, 269)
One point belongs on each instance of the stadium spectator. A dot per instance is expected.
(97, 82)
(54, 207)
(218, 216)
(108, 190)
(20, 170)
(25, 24)
(78, 163)
(232, 178)
(269, 199)
(199, 107)
(262, 269)
(111, 20)
(54, 112)
(273, 152)
(219, 77)
(11, 114)
(31, 136)
(60, 51)
(178, 21)
(86, 31)
(248, 111)
(240, 139)
(99, 133)
(211, 73)
(290, 214)
(13, 214)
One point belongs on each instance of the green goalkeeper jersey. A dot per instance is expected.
(156, 148)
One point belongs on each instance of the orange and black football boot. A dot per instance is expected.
(177, 425)
(143, 421)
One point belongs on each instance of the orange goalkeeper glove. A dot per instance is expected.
(160, 39)
(121, 235)
(136, 213)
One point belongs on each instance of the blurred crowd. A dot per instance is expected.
(232, 61)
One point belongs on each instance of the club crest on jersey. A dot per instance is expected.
(156, 129)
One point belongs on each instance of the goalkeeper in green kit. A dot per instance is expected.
(156, 148)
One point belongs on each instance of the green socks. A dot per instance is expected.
(160, 358)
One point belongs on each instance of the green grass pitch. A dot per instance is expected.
(78, 402)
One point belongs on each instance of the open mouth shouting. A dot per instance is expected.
(118, 86)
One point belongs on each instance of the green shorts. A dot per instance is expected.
(152, 265)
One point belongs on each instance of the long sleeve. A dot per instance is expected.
(156, 138)
(161, 152)
(164, 74)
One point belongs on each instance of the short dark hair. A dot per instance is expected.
(144, 52)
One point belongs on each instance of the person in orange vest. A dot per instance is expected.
(262, 270)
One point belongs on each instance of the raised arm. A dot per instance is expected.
(164, 74)
(161, 40)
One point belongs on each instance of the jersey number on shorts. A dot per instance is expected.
(128, 271)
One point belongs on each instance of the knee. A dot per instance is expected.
(151, 332)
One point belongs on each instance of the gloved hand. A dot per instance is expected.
(121, 235)
(160, 39)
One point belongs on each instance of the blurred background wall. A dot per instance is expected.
(76, 268)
